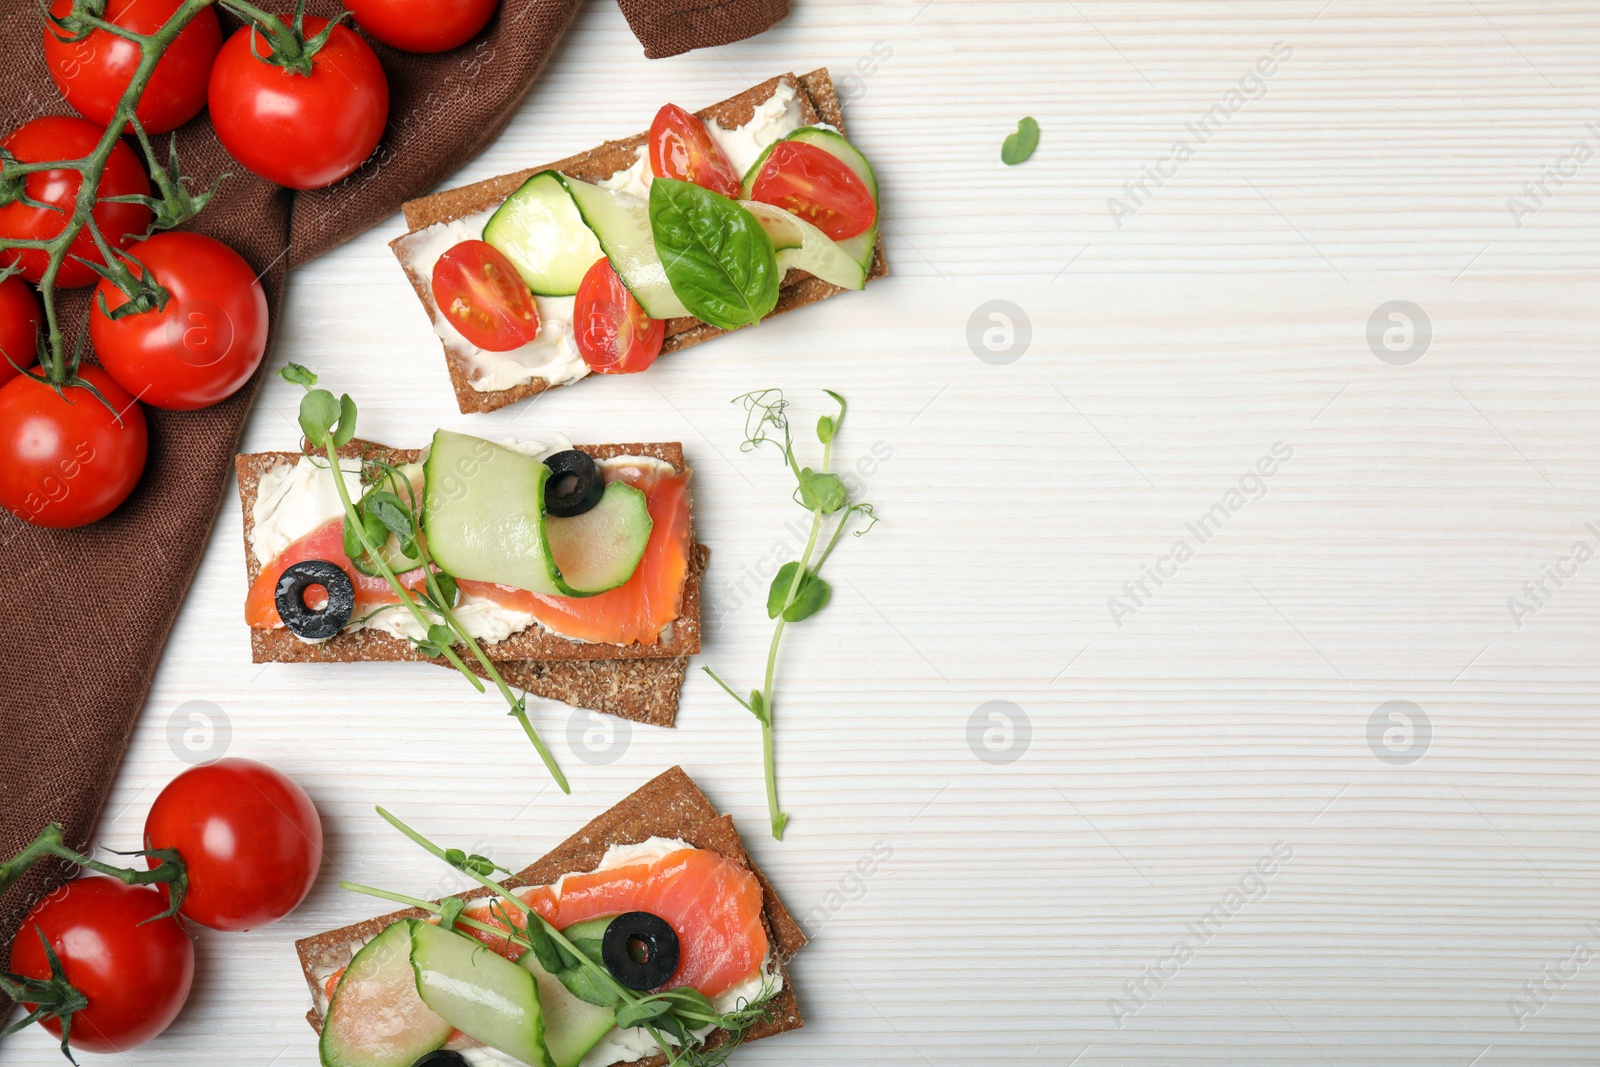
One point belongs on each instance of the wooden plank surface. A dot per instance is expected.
(1237, 718)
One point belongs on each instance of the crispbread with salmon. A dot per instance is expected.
(818, 103)
(669, 805)
(637, 682)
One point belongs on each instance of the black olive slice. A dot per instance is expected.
(303, 621)
(575, 484)
(442, 1058)
(640, 950)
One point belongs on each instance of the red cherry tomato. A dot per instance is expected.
(480, 293)
(93, 73)
(65, 460)
(61, 137)
(303, 131)
(613, 333)
(135, 977)
(19, 327)
(808, 182)
(204, 344)
(423, 25)
(249, 835)
(681, 147)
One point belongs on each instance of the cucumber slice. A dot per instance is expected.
(863, 245)
(779, 224)
(484, 514)
(541, 231)
(600, 549)
(571, 1026)
(480, 993)
(622, 223)
(815, 252)
(376, 1018)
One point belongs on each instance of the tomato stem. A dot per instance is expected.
(51, 843)
(83, 19)
(52, 998)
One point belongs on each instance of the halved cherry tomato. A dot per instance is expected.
(681, 147)
(484, 298)
(813, 185)
(614, 334)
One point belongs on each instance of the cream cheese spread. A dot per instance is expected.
(629, 1046)
(553, 355)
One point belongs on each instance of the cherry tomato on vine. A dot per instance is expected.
(301, 130)
(135, 977)
(423, 25)
(65, 459)
(681, 147)
(613, 333)
(249, 835)
(19, 327)
(204, 344)
(93, 73)
(59, 137)
(808, 182)
(480, 293)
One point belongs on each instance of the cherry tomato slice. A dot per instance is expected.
(681, 147)
(807, 182)
(481, 294)
(614, 334)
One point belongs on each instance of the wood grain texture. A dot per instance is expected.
(1167, 755)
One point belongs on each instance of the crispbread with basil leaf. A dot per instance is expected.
(818, 104)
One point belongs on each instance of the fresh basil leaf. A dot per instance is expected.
(318, 413)
(1019, 146)
(295, 374)
(347, 421)
(821, 492)
(719, 261)
(640, 1012)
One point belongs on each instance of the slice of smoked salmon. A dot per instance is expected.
(713, 904)
(641, 606)
(634, 611)
(327, 543)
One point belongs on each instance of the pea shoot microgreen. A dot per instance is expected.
(798, 591)
(679, 1021)
(390, 509)
(1019, 145)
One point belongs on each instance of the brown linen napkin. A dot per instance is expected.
(84, 613)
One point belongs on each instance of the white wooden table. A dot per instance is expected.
(1429, 867)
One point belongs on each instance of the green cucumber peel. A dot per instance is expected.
(672, 1027)
(329, 425)
(798, 591)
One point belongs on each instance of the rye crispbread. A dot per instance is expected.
(818, 103)
(637, 682)
(669, 805)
